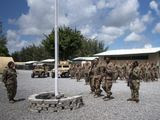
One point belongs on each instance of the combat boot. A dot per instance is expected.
(130, 99)
(106, 97)
(136, 100)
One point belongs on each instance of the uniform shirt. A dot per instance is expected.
(9, 76)
(136, 73)
(109, 71)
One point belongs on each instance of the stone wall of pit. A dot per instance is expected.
(55, 105)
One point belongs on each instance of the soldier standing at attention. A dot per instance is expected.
(86, 73)
(134, 82)
(96, 79)
(91, 75)
(108, 80)
(99, 76)
(9, 78)
(78, 70)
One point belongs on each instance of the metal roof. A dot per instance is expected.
(20, 63)
(129, 52)
(30, 62)
(48, 60)
(84, 58)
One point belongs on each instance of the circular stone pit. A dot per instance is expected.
(47, 102)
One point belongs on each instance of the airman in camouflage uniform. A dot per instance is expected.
(148, 72)
(108, 79)
(9, 78)
(115, 72)
(78, 72)
(154, 75)
(86, 73)
(134, 82)
(72, 71)
(91, 75)
(99, 76)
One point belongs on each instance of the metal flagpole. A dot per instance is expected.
(56, 47)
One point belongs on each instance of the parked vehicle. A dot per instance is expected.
(63, 70)
(40, 70)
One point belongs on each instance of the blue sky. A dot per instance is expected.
(12, 9)
(120, 24)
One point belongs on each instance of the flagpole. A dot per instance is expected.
(56, 47)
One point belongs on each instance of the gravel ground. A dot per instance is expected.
(94, 108)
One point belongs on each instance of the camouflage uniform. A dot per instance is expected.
(9, 78)
(72, 73)
(108, 80)
(115, 72)
(78, 72)
(86, 73)
(148, 74)
(143, 71)
(154, 75)
(99, 76)
(91, 75)
(134, 83)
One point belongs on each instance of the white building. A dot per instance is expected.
(141, 55)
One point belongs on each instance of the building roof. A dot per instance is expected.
(129, 52)
(48, 60)
(84, 58)
(20, 63)
(30, 62)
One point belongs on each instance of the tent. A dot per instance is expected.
(3, 62)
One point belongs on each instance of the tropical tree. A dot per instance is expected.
(72, 44)
(3, 43)
(31, 52)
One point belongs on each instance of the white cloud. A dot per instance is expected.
(157, 28)
(140, 23)
(137, 26)
(133, 37)
(39, 19)
(86, 30)
(123, 12)
(94, 36)
(101, 4)
(148, 45)
(110, 34)
(78, 11)
(15, 43)
(102, 19)
(112, 31)
(154, 6)
(147, 18)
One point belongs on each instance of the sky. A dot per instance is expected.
(120, 24)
